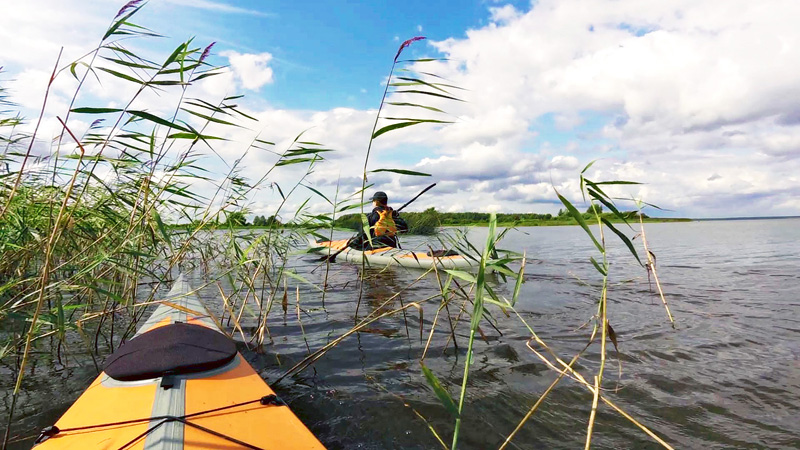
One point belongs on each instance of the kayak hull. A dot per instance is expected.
(113, 414)
(388, 256)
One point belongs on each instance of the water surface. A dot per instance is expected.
(728, 376)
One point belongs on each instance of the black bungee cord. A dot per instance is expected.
(266, 400)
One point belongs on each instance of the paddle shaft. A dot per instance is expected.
(417, 196)
(333, 256)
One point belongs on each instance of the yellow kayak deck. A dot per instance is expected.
(227, 407)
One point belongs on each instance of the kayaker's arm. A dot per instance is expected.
(402, 225)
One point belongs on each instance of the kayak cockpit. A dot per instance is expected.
(175, 349)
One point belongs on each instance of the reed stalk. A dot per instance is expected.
(651, 269)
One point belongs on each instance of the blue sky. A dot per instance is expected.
(326, 54)
(696, 99)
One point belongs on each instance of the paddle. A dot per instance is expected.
(332, 257)
(416, 197)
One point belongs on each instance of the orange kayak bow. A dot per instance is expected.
(178, 384)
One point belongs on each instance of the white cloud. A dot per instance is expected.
(455, 207)
(221, 85)
(504, 13)
(251, 70)
(219, 7)
(564, 162)
(568, 120)
(688, 88)
(697, 98)
(34, 32)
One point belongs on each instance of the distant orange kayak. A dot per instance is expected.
(178, 384)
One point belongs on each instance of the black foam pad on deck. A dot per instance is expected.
(179, 348)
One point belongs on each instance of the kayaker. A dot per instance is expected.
(384, 224)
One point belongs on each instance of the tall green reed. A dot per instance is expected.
(594, 190)
(85, 229)
(413, 90)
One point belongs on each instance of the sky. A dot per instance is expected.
(699, 100)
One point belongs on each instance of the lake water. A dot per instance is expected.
(728, 375)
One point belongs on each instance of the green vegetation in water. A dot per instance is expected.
(238, 220)
(429, 221)
(83, 230)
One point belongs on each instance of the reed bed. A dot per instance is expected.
(89, 234)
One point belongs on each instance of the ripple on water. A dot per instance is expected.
(727, 377)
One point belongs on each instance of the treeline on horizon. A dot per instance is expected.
(429, 221)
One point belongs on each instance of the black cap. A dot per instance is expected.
(380, 196)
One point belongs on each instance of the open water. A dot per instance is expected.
(728, 375)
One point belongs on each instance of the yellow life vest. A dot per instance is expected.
(385, 225)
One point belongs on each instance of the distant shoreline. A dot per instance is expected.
(544, 223)
(559, 223)
(504, 224)
(748, 218)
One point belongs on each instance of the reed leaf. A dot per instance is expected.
(403, 172)
(434, 94)
(395, 126)
(579, 218)
(87, 110)
(439, 390)
(415, 105)
(153, 118)
(624, 239)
